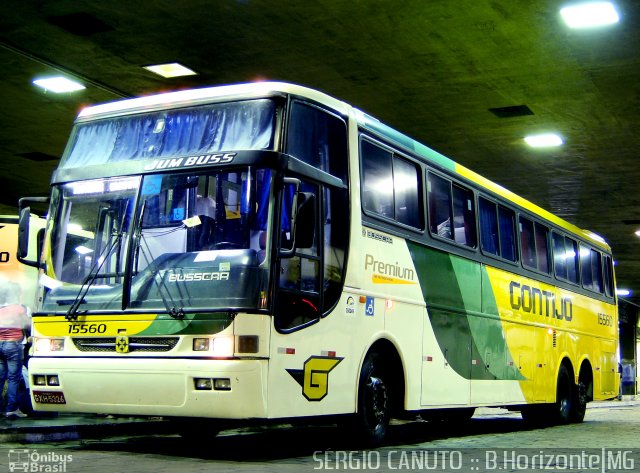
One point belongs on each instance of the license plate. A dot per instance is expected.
(48, 398)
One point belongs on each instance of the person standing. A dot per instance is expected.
(14, 320)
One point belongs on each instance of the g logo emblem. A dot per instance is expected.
(314, 376)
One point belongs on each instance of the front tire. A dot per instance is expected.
(374, 402)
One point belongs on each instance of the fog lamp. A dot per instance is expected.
(203, 384)
(39, 380)
(222, 384)
(52, 380)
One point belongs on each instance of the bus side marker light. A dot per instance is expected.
(428, 358)
(363, 299)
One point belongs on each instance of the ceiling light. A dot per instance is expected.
(588, 15)
(545, 140)
(623, 292)
(59, 85)
(173, 69)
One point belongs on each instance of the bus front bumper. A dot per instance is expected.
(224, 389)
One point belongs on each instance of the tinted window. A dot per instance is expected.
(319, 139)
(591, 269)
(542, 247)
(571, 247)
(464, 220)
(565, 257)
(451, 203)
(391, 186)
(528, 243)
(559, 256)
(377, 180)
(608, 276)
(407, 193)
(440, 206)
(507, 222)
(489, 236)
(585, 265)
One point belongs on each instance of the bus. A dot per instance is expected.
(264, 252)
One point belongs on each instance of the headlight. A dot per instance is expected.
(223, 346)
(48, 345)
(200, 344)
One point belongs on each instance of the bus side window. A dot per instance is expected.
(542, 247)
(608, 276)
(489, 237)
(439, 191)
(507, 223)
(573, 266)
(377, 180)
(585, 267)
(559, 255)
(528, 243)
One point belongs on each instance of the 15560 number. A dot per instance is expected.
(82, 329)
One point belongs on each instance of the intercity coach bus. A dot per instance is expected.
(266, 252)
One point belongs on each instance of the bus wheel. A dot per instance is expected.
(374, 406)
(563, 407)
(579, 404)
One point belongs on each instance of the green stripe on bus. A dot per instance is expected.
(464, 314)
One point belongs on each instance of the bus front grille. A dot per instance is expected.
(108, 344)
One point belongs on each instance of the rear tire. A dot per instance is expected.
(579, 405)
(562, 409)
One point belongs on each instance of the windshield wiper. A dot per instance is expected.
(94, 272)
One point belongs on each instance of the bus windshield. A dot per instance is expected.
(189, 242)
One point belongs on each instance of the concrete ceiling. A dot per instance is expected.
(430, 68)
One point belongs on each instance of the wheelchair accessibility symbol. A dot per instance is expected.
(369, 307)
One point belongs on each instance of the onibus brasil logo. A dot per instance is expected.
(33, 461)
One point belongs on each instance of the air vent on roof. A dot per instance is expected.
(512, 111)
(37, 156)
(81, 23)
